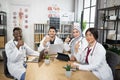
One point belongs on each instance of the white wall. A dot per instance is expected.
(37, 14)
(3, 5)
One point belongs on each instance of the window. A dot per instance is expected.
(89, 7)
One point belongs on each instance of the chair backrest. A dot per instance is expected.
(113, 59)
(6, 72)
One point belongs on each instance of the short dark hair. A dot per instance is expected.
(52, 27)
(17, 28)
(93, 31)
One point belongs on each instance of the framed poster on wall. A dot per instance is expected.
(19, 15)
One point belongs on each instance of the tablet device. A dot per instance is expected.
(62, 56)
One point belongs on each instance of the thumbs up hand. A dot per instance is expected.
(20, 42)
(67, 39)
(47, 39)
(77, 46)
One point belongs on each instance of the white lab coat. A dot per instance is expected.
(41, 46)
(83, 44)
(97, 63)
(16, 58)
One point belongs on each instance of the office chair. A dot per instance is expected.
(113, 60)
(6, 72)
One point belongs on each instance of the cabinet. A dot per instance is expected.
(65, 30)
(41, 29)
(3, 27)
(110, 22)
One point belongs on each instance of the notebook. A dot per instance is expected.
(54, 48)
(37, 58)
(62, 56)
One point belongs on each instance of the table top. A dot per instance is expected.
(55, 71)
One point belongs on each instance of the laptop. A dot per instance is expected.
(63, 57)
(55, 48)
(37, 58)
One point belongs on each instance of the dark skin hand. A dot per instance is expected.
(20, 43)
(18, 37)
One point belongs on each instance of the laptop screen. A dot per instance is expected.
(54, 48)
(37, 58)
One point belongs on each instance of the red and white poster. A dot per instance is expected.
(53, 11)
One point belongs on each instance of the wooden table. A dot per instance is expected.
(55, 71)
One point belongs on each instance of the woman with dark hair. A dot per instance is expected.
(94, 57)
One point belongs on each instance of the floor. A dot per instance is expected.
(2, 76)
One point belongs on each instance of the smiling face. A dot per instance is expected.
(75, 33)
(52, 33)
(90, 38)
(17, 35)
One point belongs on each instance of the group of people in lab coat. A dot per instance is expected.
(87, 51)
(90, 53)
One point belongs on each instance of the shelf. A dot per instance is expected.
(112, 41)
(110, 8)
(37, 42)
(66, 24)
(3, 18)
(3, 27)
(105, 29)
(65, 33)
(2, 42)
(2, 34)
(112, 20)
(40, 33)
